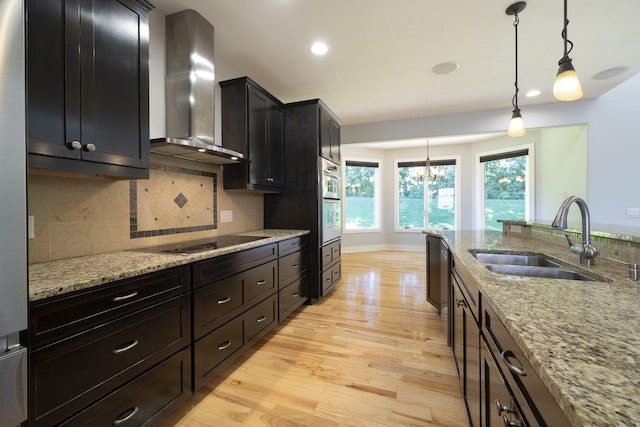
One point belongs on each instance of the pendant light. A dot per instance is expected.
(567, 86)
(427, 164)
(516, 127)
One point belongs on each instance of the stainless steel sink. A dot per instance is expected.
(514, 259)
(529, 265)
(534, 271)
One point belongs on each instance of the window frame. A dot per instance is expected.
(529, 183)
(396, 197)
(377, 198)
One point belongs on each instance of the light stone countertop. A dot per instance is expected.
(49, 279)
(582, 338)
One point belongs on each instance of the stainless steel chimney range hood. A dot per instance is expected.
(190, 93)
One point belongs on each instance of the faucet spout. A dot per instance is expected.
(586, 252)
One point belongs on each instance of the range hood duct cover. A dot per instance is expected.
(190, 93)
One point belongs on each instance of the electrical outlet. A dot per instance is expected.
(226, 216)
(31, 227)
(633, 212)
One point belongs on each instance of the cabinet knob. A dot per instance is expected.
(509, 423)
(89, 147)
(503, 408)
(74, 145)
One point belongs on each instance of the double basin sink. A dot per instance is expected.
(534, 265)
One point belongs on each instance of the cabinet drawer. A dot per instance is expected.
(260, 318)
(292, 267)
(217, 268)
(55, 318)
(260, 281)
(293, 245)
(330, 277)
(71, 374)
(143, 400)
(292, 297)
(330, 253)
(211, 302)
(212, 349)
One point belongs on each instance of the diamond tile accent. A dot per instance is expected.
(180, 200)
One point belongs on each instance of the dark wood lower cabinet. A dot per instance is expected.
(499, 385)
(128, 352)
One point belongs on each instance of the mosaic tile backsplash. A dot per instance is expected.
(173, 200)
(181, 200)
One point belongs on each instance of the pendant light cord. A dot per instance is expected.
(567, 42)
(514, 101)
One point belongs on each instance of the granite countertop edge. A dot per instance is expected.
(578, 336)
(55, 278)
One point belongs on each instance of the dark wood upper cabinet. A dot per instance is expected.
(252, 123)
(88, 86)
(329, 136)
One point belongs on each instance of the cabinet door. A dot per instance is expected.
(498, 407)
(434, 265)
(276, 145)
(329, 137)
(114, 82)
(257, 144)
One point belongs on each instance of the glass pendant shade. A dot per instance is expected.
(516, 126)
(567, 86)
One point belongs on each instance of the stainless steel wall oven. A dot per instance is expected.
(331, 203)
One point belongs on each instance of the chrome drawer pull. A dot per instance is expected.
(124, 297)
(261, 319)
(261, 282)
(224, 300)
(294, 266)
(126, 347)
(295, 294)
(123, 419)
(505, 355)
(224, 345)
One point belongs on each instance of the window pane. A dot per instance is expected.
(441, 213)
(504, 191)
(440, 188)
(411, 197)
(361, 196)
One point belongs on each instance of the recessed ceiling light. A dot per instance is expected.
(445, 68)
(319, 48)
(611, 73)
(533, 92)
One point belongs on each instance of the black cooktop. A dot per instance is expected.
(195, 246)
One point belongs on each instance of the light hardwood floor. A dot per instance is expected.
(373, 353)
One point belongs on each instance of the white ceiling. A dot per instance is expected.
(381, 52)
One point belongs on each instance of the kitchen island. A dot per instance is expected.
(580, 337)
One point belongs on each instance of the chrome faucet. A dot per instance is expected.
(586, 252)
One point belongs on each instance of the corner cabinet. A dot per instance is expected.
(88, 86)
(253, 124)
